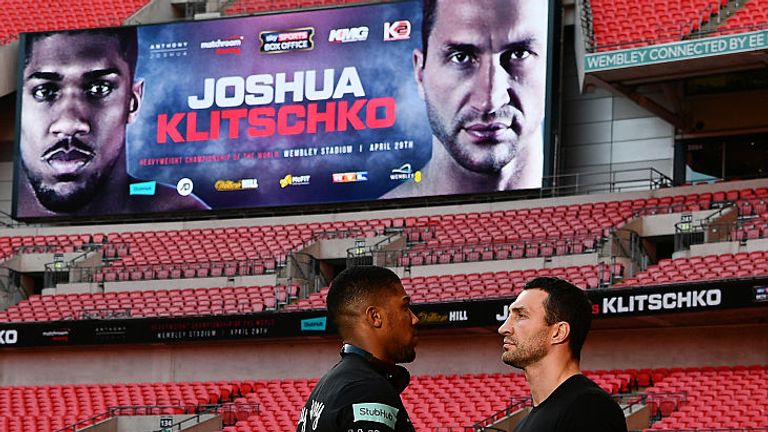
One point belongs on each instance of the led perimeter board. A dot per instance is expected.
(311, 107)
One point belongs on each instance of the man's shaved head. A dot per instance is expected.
(356, 288)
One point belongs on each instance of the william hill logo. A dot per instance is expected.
(230, 45)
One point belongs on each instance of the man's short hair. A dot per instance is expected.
(569, 303)
(356, 287)
(428, 12)
(126, 37)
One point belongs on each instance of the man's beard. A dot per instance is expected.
(530, 352)
(494, 160)
(65, 203)
(87, 191)
(406, 354)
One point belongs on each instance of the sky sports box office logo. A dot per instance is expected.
(299, 39)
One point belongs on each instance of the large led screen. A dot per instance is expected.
(362, 103)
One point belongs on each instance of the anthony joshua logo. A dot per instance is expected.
(184, 187)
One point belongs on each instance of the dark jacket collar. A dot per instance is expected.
(398, 376)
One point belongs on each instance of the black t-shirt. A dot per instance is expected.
(357, 395)
(577, 405)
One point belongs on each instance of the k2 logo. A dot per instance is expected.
(397, 30)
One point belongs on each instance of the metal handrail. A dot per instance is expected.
(516, 403)
(220, 409)
(229, 408)
(494, 246)
(150, 271)
(617, 181)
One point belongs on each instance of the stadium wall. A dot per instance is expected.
(606, 132)
(439, 352)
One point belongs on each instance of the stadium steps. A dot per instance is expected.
(753, 15)
(709, 28)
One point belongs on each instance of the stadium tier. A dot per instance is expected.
(240, 300)
(451, 238)
(475, 285)
(150, 303)
(625, 24)
(440, 239)
(32, 16)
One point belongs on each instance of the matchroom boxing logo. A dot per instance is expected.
(230, 45)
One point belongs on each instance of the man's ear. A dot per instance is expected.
(137, 94)
(418, 70)
(560, 333)
(373, 317)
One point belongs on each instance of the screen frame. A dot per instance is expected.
(550, 131)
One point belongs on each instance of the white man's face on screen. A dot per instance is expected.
(484, 79)
(78, 96)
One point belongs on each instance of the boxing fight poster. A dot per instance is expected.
(307, 107)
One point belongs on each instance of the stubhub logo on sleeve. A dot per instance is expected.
(314, 324)
(376, 412)
(144, 188)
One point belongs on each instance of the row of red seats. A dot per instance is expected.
(120, 271)
(710, 267)
(436, 252)
(624, 24)
(53, 407)
(751, 228)
(150, 303)
(234, 243)
(731, 396)
(43, 15)
(716, 398)
(439, 401)
(480, 285)
(547, 231)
